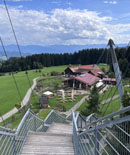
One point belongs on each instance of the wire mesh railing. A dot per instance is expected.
(11, 143)
(5, 129)
(55, 117)
(109, 135)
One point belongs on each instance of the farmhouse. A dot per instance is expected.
(83, 81)
(78, 70)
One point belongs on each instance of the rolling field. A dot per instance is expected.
(8, 93)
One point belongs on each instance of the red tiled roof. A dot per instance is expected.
(89, 67)
(109, 79)
(96, 72)
(85, 68)
(87, 79)
(74, 69)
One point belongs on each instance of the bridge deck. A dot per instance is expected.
(57, 141)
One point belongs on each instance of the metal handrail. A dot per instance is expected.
(12, 143)
(22, 122)
(123, 110)
(103, 136)
(6, 129)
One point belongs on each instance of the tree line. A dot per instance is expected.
(84, 57)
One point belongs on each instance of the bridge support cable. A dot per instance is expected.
(116, 68)
(108, 61)
(17, 88)
(118, 83)
(17, 43)
(110, 90)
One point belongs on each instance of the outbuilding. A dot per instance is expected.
(43, 101)
(109, 81)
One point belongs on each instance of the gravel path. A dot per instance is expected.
(23, 103)
(76, 106)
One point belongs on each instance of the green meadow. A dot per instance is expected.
(8, 92)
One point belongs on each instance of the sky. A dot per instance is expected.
(66, 22)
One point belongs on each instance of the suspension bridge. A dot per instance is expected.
(73, 134)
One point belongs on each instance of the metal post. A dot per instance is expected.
(13, 148)
(116, 68)
(81, 123)
(96, 141)
(34, 123)
(25, 129)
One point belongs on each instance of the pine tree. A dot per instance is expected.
(92, 103)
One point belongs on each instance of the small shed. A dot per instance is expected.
(44, 101)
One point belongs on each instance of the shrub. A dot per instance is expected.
(2, 74)
(54, 73)
(18, 105)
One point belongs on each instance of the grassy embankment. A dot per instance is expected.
(104, 67)
(108, 94)
(8, 93)
(23, 86)
(114, 105)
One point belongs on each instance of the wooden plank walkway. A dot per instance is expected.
(57, 141)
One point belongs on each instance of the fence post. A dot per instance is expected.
(13, 148)
(25, 129)
(96, 141)
(34, 118)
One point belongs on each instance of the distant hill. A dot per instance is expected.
(12, 50)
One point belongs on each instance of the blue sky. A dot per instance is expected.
(66, 22)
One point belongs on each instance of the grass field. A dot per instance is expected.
(50, 83)
(8, 93)
(106, 67)
(112, 107)
(54, 102)
(109, 93)
(43, 114)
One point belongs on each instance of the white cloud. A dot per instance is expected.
(60, 27)
(110, 2)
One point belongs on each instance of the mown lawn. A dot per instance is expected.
(109, 93)
(8, 93)
(113, 106)
(43, 114)
(106, 67)
(15, 123)
(68, 104)
(102, 97)
(82, 106)
(51, 82)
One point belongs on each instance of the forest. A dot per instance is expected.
(84, 57)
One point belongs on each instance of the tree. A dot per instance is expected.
(92, 102)
(126, 101)
(111, 75)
